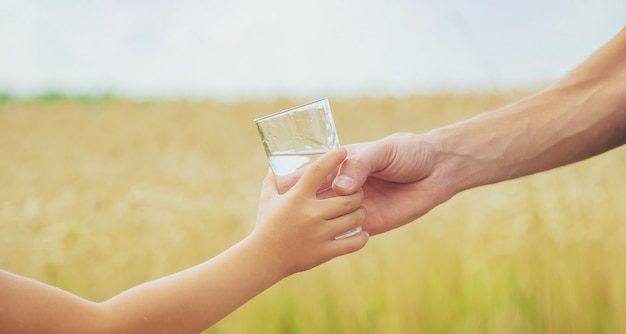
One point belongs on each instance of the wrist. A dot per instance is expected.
(453, 164)
(267, 255)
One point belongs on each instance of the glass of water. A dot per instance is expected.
(294, 138)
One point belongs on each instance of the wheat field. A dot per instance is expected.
(96, 197)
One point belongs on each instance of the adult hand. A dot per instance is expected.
(399, 176)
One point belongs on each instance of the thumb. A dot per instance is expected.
(363, 159)
(269, 187)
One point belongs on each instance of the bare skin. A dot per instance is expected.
(406, 175)
(294, 232)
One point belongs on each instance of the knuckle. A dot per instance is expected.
(361, 214)
(317, 170)
(353, 244)
(353, 201)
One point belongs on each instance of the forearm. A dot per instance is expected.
(28, 306)
(581, 116)
(194, 299)
(186, 302)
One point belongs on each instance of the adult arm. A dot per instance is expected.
(406, 175)
(582, 115)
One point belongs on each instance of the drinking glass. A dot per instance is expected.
(295, 138)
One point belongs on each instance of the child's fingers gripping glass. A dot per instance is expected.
(340, 205)
(346, 223)
(317, 174)
(344, 246)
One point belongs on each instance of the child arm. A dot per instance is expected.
(294, 232)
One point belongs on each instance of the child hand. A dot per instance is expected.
(298, 229)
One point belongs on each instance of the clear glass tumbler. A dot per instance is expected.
(294, 138)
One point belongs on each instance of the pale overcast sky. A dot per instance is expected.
(252, 49)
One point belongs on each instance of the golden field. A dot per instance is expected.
(96, 197)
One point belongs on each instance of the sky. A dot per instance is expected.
(243, 49)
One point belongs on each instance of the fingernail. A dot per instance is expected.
(344, 182)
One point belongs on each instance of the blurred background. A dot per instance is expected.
(128, 152)
(250, 49)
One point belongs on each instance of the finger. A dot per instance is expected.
(341, 205)
(363, 160)
(327, 193)
(315, 175)
(268, 187)
(348, 245)
(346, 223)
